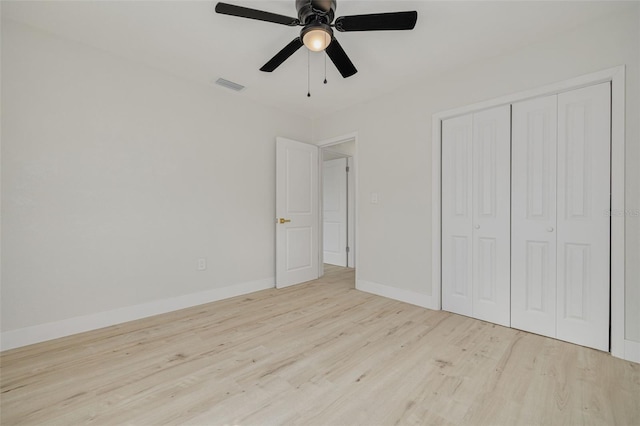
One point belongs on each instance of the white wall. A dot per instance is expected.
(117, 177)
(394, 147)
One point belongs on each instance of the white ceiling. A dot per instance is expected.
(189, 39)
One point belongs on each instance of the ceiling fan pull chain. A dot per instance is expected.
(308, 75)
(325, 68)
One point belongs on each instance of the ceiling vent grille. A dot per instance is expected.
(229, 84)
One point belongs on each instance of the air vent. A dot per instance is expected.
(229, 84)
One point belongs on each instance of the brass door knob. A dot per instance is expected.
(283, 220)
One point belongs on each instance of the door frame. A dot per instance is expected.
(616, 76)
(326, 143)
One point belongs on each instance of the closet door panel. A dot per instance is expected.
(583, 219)
(457, 214)
(533, 216)
(491, 214)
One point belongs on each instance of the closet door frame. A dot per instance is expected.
(616, 76)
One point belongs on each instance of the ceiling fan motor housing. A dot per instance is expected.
(316, 11)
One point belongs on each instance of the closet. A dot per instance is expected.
(525, 223)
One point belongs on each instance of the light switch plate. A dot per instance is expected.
(202, 264)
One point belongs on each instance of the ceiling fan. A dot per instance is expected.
(316, 17)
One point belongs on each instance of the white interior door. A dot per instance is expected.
(334, 202)
(584, 141)
(491, 215)
(457, 214)
(533, 215)
(297, 212)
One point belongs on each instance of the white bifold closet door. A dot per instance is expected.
(560, 221)
(533, 215)
(476, 215)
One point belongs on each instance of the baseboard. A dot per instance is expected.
(53, 330)
(632, 351)
(407, 296)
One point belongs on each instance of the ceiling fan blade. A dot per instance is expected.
(245, 12)
(282, 55)
(378, 21)
(340, 58)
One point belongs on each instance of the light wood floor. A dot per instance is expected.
(319, 353)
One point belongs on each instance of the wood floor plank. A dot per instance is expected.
(319, 353)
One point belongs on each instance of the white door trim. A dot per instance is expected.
(351, 213)
(353, 136)
(616, 76)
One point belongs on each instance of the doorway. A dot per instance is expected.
(338, 179)
(299, 208)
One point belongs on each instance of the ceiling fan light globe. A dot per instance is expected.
(316, 40)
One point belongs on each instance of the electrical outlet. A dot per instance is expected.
(374, 198)
(202, 264)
